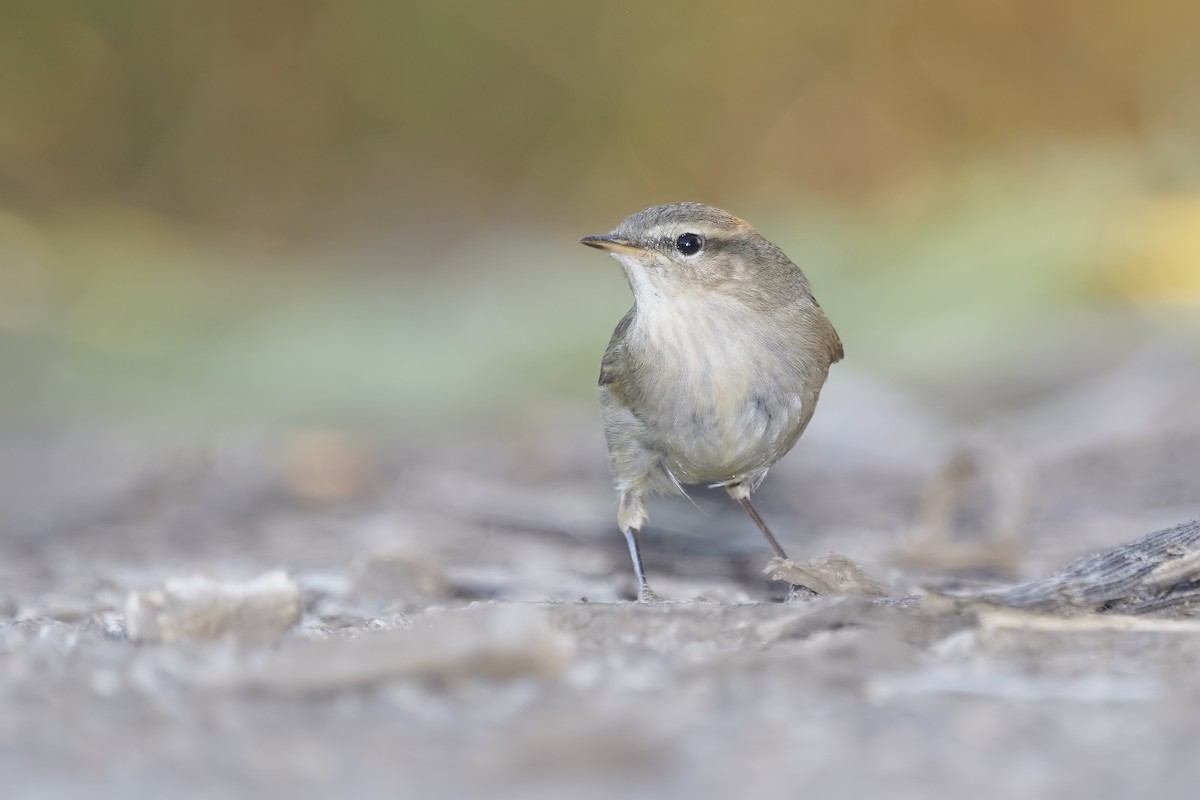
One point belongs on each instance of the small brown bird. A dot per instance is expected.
(715, 372)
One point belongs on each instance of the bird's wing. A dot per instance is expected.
(612, 366)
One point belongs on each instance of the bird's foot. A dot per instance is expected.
(797, 593)
(647, 595)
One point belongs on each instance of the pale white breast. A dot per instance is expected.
(725, 401)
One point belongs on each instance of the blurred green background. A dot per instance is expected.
(366, 213)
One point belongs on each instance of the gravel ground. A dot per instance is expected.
(334, 613)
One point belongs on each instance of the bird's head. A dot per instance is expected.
(694, 249)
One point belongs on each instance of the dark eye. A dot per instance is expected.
(689, 244)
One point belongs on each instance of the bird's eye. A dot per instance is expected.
(689, 244)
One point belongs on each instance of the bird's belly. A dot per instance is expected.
(729, 424)
(724, 400)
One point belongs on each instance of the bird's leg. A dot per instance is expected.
(645, 593)
(762, 526)
(631, 515)
(742, 495)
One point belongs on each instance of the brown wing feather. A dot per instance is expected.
(614, 355)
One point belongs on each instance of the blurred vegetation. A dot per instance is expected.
(368, 209)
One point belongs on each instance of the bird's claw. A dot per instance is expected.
(647, 595)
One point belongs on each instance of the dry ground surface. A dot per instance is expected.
(448, 614)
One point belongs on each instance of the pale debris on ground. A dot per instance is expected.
(830, 574)
(199, 608)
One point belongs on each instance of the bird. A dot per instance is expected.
(715, 371)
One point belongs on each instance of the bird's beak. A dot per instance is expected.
(613, 244)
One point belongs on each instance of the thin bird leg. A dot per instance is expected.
(762, 526)
(645, 593)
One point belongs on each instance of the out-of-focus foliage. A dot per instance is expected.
(276, 114)
(361, 204)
